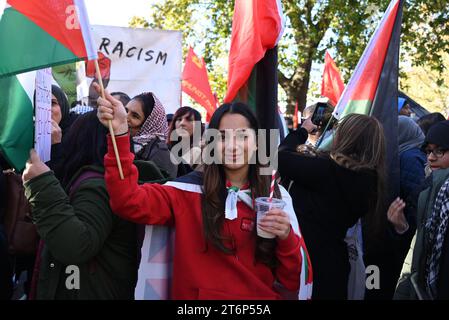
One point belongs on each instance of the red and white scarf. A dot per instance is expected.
(155, 125)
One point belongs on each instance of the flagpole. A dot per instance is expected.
(111, 130)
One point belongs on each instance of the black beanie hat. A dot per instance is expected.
(438, 134)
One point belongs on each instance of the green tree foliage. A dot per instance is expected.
(428, 87)
(312, 27)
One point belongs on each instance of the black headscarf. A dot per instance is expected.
(64, 105)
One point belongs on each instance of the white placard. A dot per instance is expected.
(143, 60)
(42, 135)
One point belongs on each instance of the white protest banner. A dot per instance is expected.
(42, 120)
(140, 60)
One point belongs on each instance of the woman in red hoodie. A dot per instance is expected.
(217, 254)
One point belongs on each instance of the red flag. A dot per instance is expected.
(256, 27)
(332, 85)
(105, 67)
(195, 82)
(295, 117)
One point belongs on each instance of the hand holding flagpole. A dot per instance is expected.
(111, 130)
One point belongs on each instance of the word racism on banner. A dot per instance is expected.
(141, 60)
(122, 50)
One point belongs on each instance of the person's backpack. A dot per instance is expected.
(21, 232)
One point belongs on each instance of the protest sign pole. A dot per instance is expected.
(111, 130)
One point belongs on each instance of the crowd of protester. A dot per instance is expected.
(87, 216)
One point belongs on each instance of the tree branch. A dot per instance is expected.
(324, 22)
(309, 7)
(283, 80)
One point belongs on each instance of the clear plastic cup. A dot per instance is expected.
(263, 205)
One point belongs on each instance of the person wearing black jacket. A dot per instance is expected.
(331, 191)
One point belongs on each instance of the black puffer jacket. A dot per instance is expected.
(328, 199)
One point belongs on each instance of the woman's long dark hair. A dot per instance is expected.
(214, 193)
(181, 112)
(85, 144)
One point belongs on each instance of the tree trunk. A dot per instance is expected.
(297, 86)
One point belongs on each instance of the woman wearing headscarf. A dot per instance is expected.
(412, 159)
(148, 129)
(61, 120)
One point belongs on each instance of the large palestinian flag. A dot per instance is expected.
(35, 34)
(380, 56)
(256, 30)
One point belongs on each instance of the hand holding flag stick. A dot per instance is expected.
(111, 130)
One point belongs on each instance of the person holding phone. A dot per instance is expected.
(332, 191)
